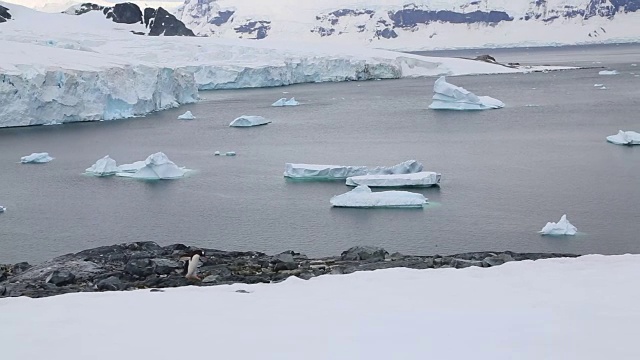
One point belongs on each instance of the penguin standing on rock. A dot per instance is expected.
(191, 261)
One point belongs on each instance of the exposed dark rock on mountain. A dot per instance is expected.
(158, 21)
(222, 17)
(143, 265)
(258, 29)
(4, 14)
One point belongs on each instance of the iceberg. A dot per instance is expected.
(103, 167)
(608, 72)
(133, 167)
(285, 102)
(450, 97)
(156, 167)
(562, 227)
(186, 116)
(419, 179)
(249, 120)
(2, 209)
(36, 158)
(341, 172)
(625, 138)
(363, 197)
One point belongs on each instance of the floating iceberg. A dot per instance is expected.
(36, 158)
(230, 153)
(340, 172)
(103, 167)
(562, 227)
(363, 197)
(608, 72)
(419, 179)
(2, 209)
(133, 167)
(625, 138)
(249, 120)
(186, 116)
(450, 97)
(217, 153)
(285, 102)
(157, 166)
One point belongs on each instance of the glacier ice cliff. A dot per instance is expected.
(450, 97)
(363, 197)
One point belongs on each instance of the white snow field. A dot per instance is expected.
(103, 167)
(341, 172)
(57, 6)
(58, 68)
(562, 227)
(625, 138)
(248, 121)
(156, 167)
(320, 22)
(556, 309)
(419, 179)
(36, 158)
(363, 197)
(450, 97)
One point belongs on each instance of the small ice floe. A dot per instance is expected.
(2, 209)
(562, 227)
(103, 167)
(156, 167)
(532, 105)
(36, 158)
(419, 179)
(634, 65)
(228, 153)
(450, 97)
(186, 116)
(285, 102)
(249, 120)
(608, 72)
(602, 88)
(341, 172)
(624, 138)
(363, 197)
(598, 85)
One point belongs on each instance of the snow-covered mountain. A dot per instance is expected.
(56, 6)
(418, 24)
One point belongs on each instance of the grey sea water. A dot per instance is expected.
(505, 172)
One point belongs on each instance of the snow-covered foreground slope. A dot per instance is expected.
(584, 308)
(62, 68)
(418, 24)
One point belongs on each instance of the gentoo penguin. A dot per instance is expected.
(191, 261)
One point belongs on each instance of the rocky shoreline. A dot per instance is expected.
(146, 265)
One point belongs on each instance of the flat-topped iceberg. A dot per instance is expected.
(450, 97)
(562, 227)
(608, 72)
(341, 172)
(363, 197)
(36, 158)
(186, 116)
(103, 167)
(419, 179)
(285, 102)
(625, 138)
(249, 120)
(156, 167)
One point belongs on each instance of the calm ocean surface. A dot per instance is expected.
(505, 172)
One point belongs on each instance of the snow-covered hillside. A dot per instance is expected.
(63, 68)
(54, 6)
(556, 309)
(418, 24)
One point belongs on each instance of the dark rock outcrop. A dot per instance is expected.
(4, 14)
(255, 29)
(143, 265)
(158, 21)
